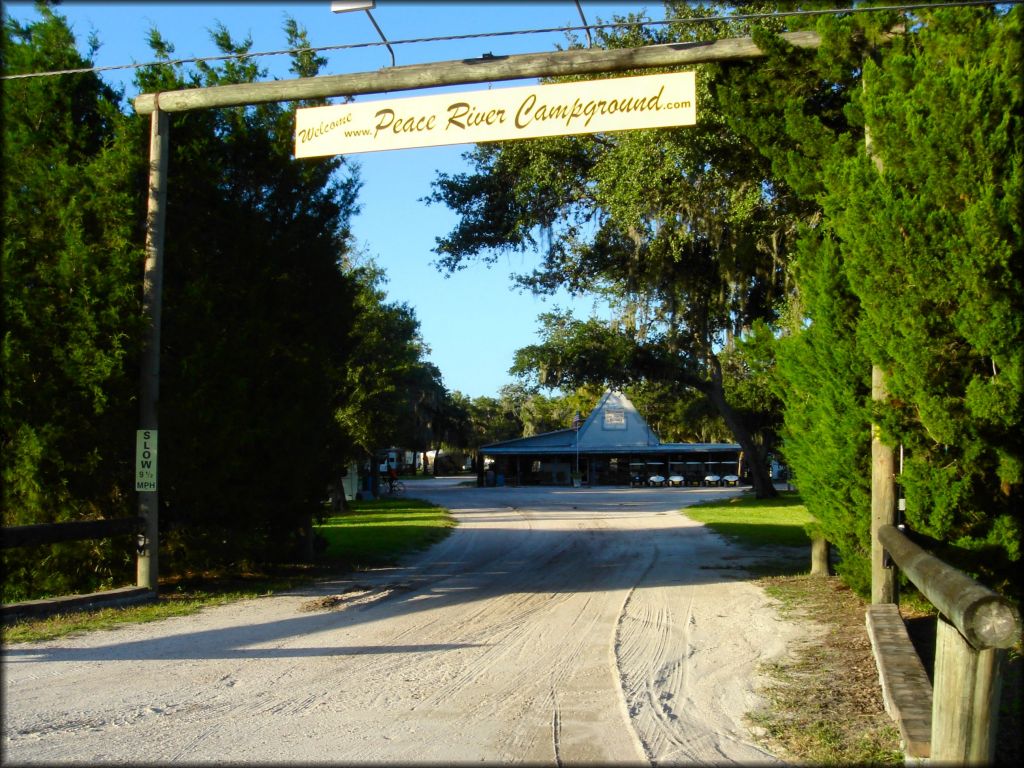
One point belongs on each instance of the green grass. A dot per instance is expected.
(380, 532)
(371, 533)
(60, 625)
(179, 596)
(778, 522)
(761, 524)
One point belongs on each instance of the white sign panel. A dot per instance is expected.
(615, 418)
(145, 460)
(559, 109)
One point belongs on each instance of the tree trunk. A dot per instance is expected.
(760, 477)
(820, 556)
(307, 552)
(338, 503)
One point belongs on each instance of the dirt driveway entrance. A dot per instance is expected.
(553, 626)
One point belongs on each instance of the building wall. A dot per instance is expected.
(604, 469)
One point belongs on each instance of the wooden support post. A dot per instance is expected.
(147, 564)
(883, 499)
(965, 712)
(883, 464)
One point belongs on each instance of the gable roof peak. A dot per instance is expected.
(615, 421)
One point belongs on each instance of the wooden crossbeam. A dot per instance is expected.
(483, 70)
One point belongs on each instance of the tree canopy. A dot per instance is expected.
(71, 257)
(257, 317)
(269, 329)
(683, 232)
(835, 209)
(905, 132)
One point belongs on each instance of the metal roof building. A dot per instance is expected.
(614, 445)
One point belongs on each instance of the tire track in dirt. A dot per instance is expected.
(552, 682)
(629, 647)
(678, 672)
(379, 595)
(504, 624)
(526, 635)
(652, 649)
(539, 684)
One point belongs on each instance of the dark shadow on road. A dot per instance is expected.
(474, 563)
(76, 654)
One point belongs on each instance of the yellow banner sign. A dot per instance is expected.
(594, 106)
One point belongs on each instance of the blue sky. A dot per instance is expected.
(472, 321)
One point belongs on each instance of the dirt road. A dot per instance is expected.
(553, 626)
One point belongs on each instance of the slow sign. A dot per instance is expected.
(145, 460)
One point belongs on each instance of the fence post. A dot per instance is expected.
(965, 708)
(883, 499)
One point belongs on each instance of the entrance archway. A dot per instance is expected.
(406, 78)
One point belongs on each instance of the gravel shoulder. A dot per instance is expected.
(552, 626)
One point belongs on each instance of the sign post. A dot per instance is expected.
(147, 566)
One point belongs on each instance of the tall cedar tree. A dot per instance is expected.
(268, 330)
(683, 231)
(933, 246)
(70, 283)
(915, 267)
(257, 320)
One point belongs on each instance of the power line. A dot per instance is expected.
(484, 35)
(318, 49)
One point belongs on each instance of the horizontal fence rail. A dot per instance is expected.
(53, 533)
(975, 627)
(984, 618)
(79, 530)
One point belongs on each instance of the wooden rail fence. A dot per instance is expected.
(54, 533)
(955, 719)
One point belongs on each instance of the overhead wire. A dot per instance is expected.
(507, 33)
